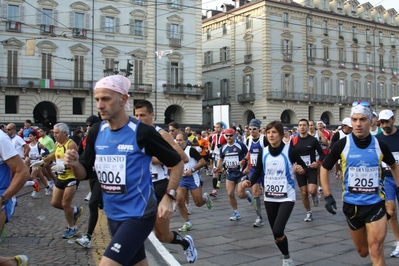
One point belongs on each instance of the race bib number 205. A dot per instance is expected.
(111, 173)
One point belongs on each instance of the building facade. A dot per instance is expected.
(286, 60)
(55, 51)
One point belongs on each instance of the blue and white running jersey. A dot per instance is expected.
(232, 155)
(123, 171)
(279, 182)
(158, 171)
(362, 182)
(7, 151)
(254, 149)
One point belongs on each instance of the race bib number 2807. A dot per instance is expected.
(111, 173)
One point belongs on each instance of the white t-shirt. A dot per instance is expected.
(7, 149)
(18, 144)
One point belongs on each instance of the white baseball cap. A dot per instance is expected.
(385, 115)
(347, 122)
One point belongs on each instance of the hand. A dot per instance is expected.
(245, 171)
(58, 168)
(37, 164)
(71, 158)
(298, 169)
(165, 208)
(245, 183)
(330, 204)
(215, 169)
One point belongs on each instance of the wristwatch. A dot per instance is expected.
(171, 193)
(3, 200)
(193, 170)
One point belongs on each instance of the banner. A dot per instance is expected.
(46, 83)
(221, 113)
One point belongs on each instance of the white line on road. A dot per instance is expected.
(169, 259)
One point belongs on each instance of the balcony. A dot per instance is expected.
(287, 57)
(246, 97)
(382, 69)
(341, 64)
(141, 88)
(394, 72)
(247, 58)
(327, 62)
(369, 68)
(311, 60)
(79, 33)
(185, 91)
(356, 66)
(174, 42)
(46, 29)
(13, 26)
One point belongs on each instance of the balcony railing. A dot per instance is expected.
(327, 62)
(141, 88)
(323, 98)
(311, 60)
(186, 91)
(46, 29)
(13, 26)
(341, 64)
(79, 33)
(356, 66)
(246, 97)
(287, 57)
(56, 84)
(247, 58)
(175, 42)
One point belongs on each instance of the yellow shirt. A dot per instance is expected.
(59, 158)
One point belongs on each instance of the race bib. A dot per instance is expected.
(254, 159)
(231, 161)
(363, 180)
(306, 160)
(111, 173)
(276, 187)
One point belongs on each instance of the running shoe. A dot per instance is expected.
(186, 227)
(22, 260)
(395, 253)
(218, 184)
(84, 241)
(174, 207)
(214, 193)
(208, 201)
(236, 216)
(36, 186)
(35, 194)
(51, 183)
(315, 200)
(250, 198)
(88, 197)
(77, 214)
(191, 251)
(258, 222)
(288, 262)
(189, 208)
(69, 233)
(48, 191)
(309, 217)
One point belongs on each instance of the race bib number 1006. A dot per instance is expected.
(111, 173)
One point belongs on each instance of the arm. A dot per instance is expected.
(20, 176)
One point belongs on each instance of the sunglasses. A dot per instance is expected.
(171, 130)
(88, 125)
(229, 136)
(8, 129)
(362, 103)
(252, 128)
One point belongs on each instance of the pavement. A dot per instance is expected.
(36, 230)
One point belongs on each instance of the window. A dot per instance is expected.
(224, 90)
(368, 89)
(341, 54)
(325, 28)
(381, 60)
(354, 56)
(355, 88)
(247, 83)
(248, 22)
(78, 106)
(326, 86)
(311, 53)
(391, 19)
(354, 35)
(47, 16)
(382, 90)
(138, 27)
(287, 82)
(109, 24)
(208, 90)
(353, 9)
(248, 47)
(46, 65)
(78, 71)
(380, 37)
(138, 2)
(339, 7)
(368, 36)
(79, 20)
(175, 73)
(13, 13)
(342, 87)
(138, 71)
(379, 17)
(394, 89)
(285, 18)
(174, 4)
(174, 31)
(208, 58)
(224, 53)
(309, 24)
(366, 13)
(393, 39)
(367, 58)
(326, 52)
(311, 83)
(340, 33)
(12, 67)
(11, 104)
(224, 28)
(324, 4)
(393, 63)
(208, 34)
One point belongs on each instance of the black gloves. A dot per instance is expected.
(330, 204)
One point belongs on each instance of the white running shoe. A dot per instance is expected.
(191, 251)
(48, 191)
(309, 217)
(258, 222)
(236, 216)
(51, 183)
(395, 253)
(35, 194)
(288, 262)
(22, 260)
(88, 197)
(250, 198)
(84, 241)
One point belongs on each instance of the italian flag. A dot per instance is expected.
(47, 83)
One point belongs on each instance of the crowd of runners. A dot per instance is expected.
(118, 154)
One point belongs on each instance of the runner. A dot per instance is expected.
(217, 140)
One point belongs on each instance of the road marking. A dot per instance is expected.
(168, 258)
